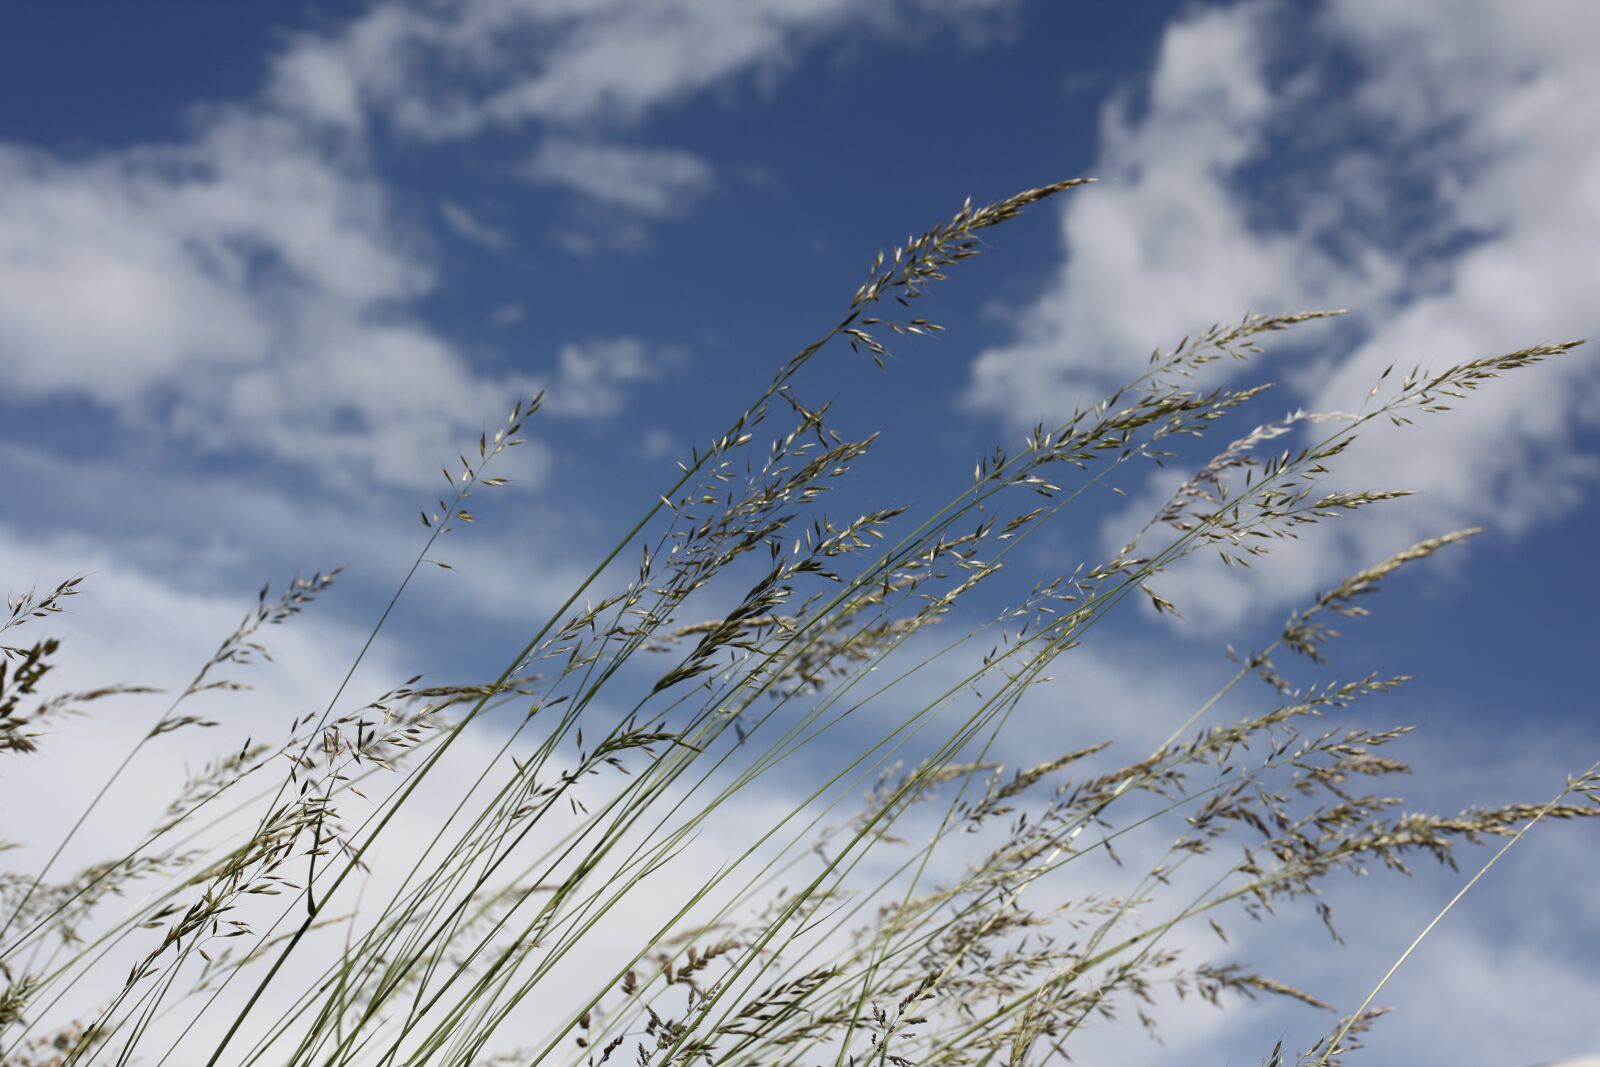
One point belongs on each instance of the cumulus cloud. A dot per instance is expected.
(1166, 243)
(1444, 189)
(245, 290)
(253, 287)
(250, 289)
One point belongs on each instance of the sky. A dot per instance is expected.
(263, 268)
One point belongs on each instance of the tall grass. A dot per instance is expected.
(740, 799)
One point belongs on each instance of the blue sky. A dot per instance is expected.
(264, 267)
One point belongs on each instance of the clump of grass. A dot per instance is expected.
(963, 912)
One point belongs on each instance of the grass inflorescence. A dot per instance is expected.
(904, 898)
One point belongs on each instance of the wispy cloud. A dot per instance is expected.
(469, 227)
(591, 378)
(453, 70)
(653, 182)
(508, 314)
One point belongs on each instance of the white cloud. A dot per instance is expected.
(248, 290)
(654, 182)
(591, 376)
(455, 69)
(244, 290)
(1504, 104)
(657, 444)
(1165, 244)
(252, 287)
(513, 566)
(1459, 132)
(471, 228)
